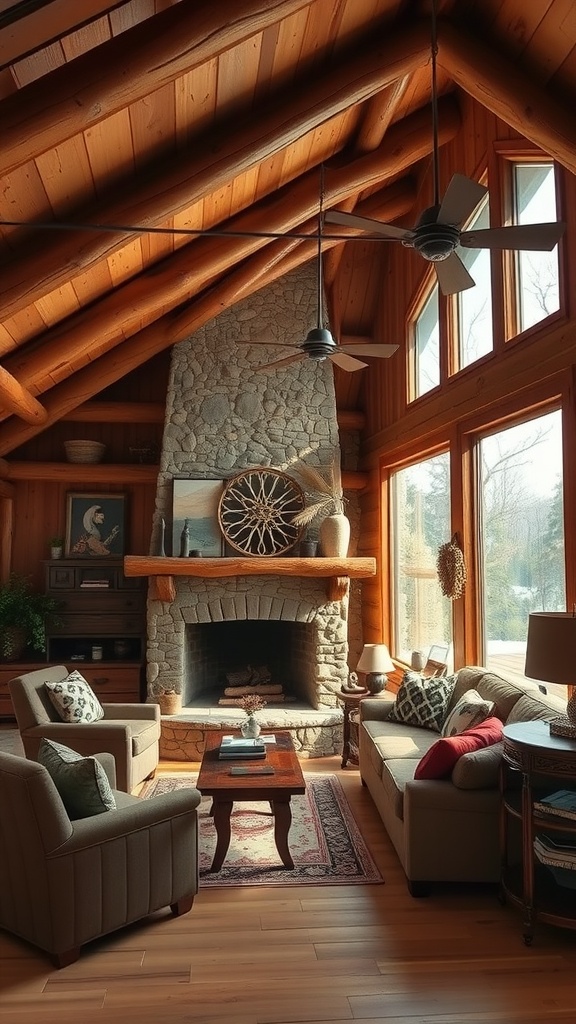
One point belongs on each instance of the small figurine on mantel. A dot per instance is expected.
(352, 685)
(185, 539)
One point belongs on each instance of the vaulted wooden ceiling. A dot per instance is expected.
(196, 115)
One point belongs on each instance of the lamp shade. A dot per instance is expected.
(551, 647)
(375, 658)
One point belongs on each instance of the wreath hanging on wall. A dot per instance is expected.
(451, 569)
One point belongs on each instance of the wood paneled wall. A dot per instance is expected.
(517, 374)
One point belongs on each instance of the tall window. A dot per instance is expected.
(474, 307)
(426, 367)
(522, 535)
(420, 520)
(537, 276)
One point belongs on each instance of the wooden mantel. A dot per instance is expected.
(162, 570)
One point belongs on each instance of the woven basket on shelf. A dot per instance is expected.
(170, 703)
(84, 451)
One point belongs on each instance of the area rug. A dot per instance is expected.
(324, 839)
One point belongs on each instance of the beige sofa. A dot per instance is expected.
(443, 830)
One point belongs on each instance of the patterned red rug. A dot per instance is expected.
(324, 839)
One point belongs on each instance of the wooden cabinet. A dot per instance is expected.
(102, 625)
(535, 763)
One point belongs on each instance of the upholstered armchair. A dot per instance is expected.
(130, 732)
(67, 882)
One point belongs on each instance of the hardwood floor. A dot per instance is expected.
(332, 954)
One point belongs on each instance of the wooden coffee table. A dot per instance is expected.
(216, 781)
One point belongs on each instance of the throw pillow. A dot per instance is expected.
(81, 781)
(422, 700)
(479, 769)
(439, 761)
(75, 700)
(470, 710)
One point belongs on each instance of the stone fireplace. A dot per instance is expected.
(223, 416)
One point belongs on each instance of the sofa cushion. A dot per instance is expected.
(479, 769)
(422, 701)
(469, 711)
(74, 699)
(81, 781)
(439, 761)
(490, 686)
(144, 732)
(395, 775)
(536, 706)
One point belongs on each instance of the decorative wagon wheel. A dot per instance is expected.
(256, 510)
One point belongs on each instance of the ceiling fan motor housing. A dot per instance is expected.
(319, 344)
(434, 241)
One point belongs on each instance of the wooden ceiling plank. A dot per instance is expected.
(96, 85)
(36, 30)
(190, 269)
(110, 150)
(31, 70)
(19, 401)
(153, 125)
(509, 92)
(60, 303)
(66, 175)
(195, 101)
(186, 181)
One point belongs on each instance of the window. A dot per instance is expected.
(474, 306)
(420, 519)
(426, 346)
(522, 535)
(537, 273)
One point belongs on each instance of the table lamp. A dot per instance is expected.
(375, 662)
(551, 658)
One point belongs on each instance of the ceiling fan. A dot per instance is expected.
(319, 343)
(438, 232)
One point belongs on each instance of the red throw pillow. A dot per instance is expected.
(439, 761)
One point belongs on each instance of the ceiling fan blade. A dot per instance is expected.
(350, 220)
(347, 362)
(377, 351)
(279, 363)
(516, 236)
(460, 200)
(453, 276)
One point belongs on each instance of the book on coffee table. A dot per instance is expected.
(237, 746)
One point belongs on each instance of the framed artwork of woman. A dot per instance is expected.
(95, 525)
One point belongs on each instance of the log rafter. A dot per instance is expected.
(45, 263)
(193, 266)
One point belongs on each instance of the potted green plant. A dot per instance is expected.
(23, 615)
(56, 547)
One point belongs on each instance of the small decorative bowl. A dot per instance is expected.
(84, 451)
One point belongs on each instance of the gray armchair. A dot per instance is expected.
(67, 882)
(130, 732)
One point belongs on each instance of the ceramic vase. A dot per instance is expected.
(335, 536)
(250, 728)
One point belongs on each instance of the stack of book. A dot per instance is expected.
(233, 747)
(558, 853)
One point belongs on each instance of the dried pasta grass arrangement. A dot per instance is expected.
(325, 487)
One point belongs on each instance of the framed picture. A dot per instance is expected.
(95, 525)
(195, 502)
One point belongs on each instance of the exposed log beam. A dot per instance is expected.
(16, 399)
(376, 120)
(95, 85)
(194, 266)
(508, 92)
(278, 259)
(47, 262)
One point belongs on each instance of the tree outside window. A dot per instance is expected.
(426, 346)
(420, 518)
(537, 273)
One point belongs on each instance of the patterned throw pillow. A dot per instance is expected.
(422, 701)
(469, 711)
(81, 781)
(75, 700)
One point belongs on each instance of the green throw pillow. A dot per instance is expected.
(81, 781)
(422, 700)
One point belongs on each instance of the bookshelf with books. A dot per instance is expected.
(538, 825)
(101, 626)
